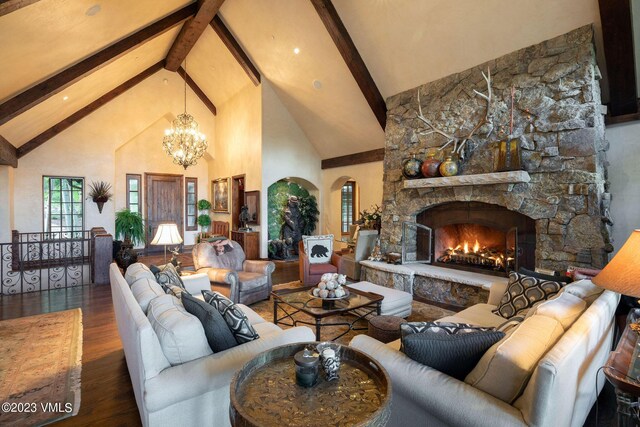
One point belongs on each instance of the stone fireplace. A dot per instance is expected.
(550, 215)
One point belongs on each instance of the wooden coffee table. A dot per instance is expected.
(264, 392)
(292, 301)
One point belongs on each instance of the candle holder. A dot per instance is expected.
(329, 359)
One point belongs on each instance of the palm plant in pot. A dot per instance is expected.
(100, 192)
(129, 227)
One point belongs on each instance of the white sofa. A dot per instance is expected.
(195, 393)
(561, 385)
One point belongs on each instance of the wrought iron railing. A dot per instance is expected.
(46, 260)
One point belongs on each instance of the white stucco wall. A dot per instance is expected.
(6, 203)
(286, 152)
(368, 178)
(88, 149)
(238, 147)
(624, 178)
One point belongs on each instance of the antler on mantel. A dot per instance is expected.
(459, 141)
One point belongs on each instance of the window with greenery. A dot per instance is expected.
(63, 201)
(133, 192)
(348, 209)
(190, 202)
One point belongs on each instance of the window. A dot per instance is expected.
(347, 212)
(63, 201)
(190, 202)
(133, 192)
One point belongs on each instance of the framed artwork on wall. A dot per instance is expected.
(252, 200)
(220, 197)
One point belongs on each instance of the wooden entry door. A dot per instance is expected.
(164, 203)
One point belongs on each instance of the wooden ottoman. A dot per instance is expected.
(385, 328)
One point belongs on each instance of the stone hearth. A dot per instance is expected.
(561, 133)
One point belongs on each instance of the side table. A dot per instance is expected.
(623, 371)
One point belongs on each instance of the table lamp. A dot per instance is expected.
(622, 274)
(167, 234)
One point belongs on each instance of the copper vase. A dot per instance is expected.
(449, 167)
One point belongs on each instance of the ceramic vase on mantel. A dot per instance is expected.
(449, 167)
(431, 165)
(509, 156)
(411, 168)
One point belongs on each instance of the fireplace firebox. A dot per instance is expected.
(472, 236)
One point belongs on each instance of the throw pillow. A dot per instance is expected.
(318, 248)
(233, 315)
(216, 330)
(167, 276)
(523, 292)
(453, 349)
(561, 279)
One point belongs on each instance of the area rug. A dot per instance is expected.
(420, 312)
(40, 366)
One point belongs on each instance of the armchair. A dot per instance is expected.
(244, 281)
(310, 273)
(365, 240)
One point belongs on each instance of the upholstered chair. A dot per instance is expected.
(243, 281)
(310, 273)
(365, 240)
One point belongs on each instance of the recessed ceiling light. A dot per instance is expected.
(317, 84)
(296, 50)
(93, 10)
(64, 98)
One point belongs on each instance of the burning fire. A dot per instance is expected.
(466, 253)
(465, 248)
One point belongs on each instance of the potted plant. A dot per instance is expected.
(100, 192)
(204, 220)
(129, 227)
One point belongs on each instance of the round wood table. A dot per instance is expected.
(264, 392)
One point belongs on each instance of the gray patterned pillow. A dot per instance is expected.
(451, 348)
(523, 292)
(216, 330)
(233, 315)
(168, 276)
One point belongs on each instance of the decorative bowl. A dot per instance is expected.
(346, 294)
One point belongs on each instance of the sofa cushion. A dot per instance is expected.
(233, 315)
(478, 315)
(144, 290)
(565, 309)
(523, 292)
(137, 271)
(395, 302)
(451, 348)
(320, 269)
(318, 248)
(181, 334)
(584, 289)
(249, 281)
(216, 330)
(504, 370)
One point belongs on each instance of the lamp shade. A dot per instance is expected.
(167, 234)
(622, 274)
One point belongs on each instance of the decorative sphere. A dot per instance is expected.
(332, 294)
(322, 285)
(449, 167)
(323, 293)
(339, 292)
(334, 276)
(316, 292)
(411, 168)
(331, 285)
(326, 277)
(342, 279)
(430, 167)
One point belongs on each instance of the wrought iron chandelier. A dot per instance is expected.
(184, 142)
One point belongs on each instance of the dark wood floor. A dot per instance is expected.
(107, 395)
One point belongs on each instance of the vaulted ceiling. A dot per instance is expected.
(403, 43)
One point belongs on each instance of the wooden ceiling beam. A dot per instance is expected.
(85, 111)
(196, 89)
(191, 32)
(8, 153)
(617, 34)
(8, 6)
(354, 159)
(44, 90)
(235, 49)
(352, 58)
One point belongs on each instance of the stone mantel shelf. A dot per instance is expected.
(477, 179)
